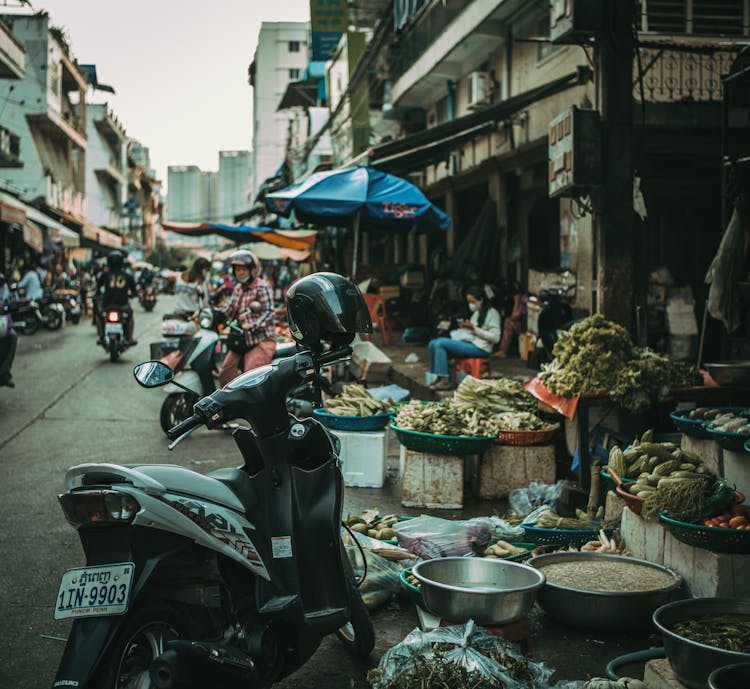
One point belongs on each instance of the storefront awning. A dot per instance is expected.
(432, 145)
(57, 232)
(101, 236)
(39, 221)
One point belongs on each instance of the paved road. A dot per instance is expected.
(72, 405)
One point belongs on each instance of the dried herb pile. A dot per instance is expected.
(729, 632)
(597, 356)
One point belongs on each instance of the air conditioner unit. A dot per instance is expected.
(479, 90)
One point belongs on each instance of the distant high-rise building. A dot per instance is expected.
(281, 57)
(233, 184)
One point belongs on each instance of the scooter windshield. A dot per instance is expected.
(250, 378)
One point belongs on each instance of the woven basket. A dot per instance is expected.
(524, 437)
(337, 422)
(695, 428)
(457, 445)
(562, 537)
(708, 537)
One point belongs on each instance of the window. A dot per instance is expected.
(293, 46)
(294, 74)
(704, 17)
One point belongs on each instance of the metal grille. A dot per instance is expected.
(698, 17)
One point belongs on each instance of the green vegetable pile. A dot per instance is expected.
(495, 395)
(598, 357)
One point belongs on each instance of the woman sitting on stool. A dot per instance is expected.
(480, 335)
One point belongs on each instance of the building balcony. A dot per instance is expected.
(115, 221)
(10, 149)
(447, 40)
(112, 171)
(12, 55)
(65, 199)
(59, 126)
(111, 129)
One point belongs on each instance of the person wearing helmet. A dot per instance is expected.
(251, 304)
(116, 286)
(326, 307)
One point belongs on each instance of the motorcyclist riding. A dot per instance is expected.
(118, 286)
(251, 303)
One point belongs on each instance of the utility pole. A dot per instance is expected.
(614, 222)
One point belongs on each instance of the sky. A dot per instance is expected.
(179, 68)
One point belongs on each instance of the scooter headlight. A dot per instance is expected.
(98, 507)
(205, 319)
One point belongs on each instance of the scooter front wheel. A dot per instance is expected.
(357, 634)
(177, 407)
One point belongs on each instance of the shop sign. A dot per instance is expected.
(399, 210)
(11, 214)
(328, 21)
(33, 237)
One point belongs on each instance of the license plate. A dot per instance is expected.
(113, 329)
(171, 341)
(94, 591)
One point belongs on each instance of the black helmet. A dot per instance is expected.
(114, 260)
(326, 306)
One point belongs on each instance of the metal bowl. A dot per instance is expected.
(600, 610)
(730, 677)
(693, 662)
(489, 592)
(730, 372)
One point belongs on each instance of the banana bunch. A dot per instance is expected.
(354, 400)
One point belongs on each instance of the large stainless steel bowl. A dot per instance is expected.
(693, 662)
(486, 591)
(600, 610)
(730, 372)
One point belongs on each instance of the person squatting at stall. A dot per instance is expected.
(251, 303)
(478, 336)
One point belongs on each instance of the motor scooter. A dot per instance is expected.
(147, 297)
(554, 315)
(52, 310)
(27, 318)
(195, 359)
(115, 340)
(230, 579)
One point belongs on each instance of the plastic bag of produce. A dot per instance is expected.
(462, 656)
(432, 537)
(382, 580)
(387, 550)
(524, 500)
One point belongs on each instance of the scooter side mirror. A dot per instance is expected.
(152, 374)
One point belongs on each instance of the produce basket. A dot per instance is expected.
(695, 428)
(529, 547)
(611, 485)
(415, 593)
(632, 501)
(337, 422)
(561, 537)
(717, 539)
(521, 437)
(457, 445)
(734, 442)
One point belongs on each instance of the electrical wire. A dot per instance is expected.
(362, 552)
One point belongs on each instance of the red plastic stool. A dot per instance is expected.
(474, 367)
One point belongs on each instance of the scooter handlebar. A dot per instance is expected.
(187, 425)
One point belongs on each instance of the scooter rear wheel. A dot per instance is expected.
(53, 319)
(113, 350)
(28, 326)
(177, 407)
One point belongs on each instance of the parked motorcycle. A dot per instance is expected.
(115, 341)
(52, 310)
(147, 297)
(195, 359)
(25, 313)
(230, 579)
(555, 315)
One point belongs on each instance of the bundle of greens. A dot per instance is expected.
(598, 357)
(494, 396)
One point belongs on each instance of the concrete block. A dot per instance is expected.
(659, 674)
(633, 530)
(613, 507)
(434, 481)
(504, 468)
(709, 451)
(737, 470)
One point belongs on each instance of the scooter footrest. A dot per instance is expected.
(279, 603)
(317, 615)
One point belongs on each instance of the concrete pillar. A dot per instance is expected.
(450, 209)
(498, 192)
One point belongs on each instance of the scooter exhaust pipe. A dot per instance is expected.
(196, 665)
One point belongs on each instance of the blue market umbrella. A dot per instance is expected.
(359, 196)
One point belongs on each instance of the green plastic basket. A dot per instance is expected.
(415, 593)
(695, 428)
(562, 537)
(457, 445)
(611, 485)
(735, 442)
(708, 537)
(529, 547)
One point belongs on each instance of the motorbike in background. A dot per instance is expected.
(147, 297)
(553, 314)
(53, 312)
(230, 579)
(115, 341)
(27, 318)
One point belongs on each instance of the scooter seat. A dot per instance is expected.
(180, 480)
(285, 351)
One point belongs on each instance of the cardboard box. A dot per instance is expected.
(370, 363)
(533, 309)
(363, 457)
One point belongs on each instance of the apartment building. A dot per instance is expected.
(280, 58)
(233, 184)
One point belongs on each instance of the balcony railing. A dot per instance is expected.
(682, 74)
(415, 41)
(66, 199)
